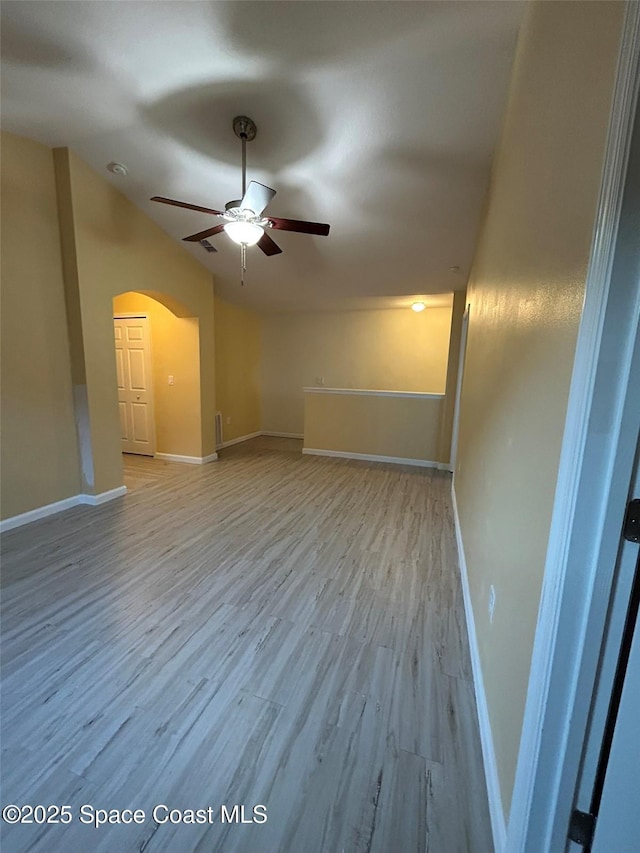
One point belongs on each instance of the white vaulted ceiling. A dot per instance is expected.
(377, 117)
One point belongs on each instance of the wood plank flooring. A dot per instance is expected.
(269, 629)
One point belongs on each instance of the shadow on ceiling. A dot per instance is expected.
(201, 117)
(289, 33)
(21, 47)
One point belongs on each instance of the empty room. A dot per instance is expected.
(320, 491)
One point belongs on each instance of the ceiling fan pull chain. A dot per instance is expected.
(243, 262)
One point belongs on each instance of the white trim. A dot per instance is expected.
(365, 392)
(240, 439)
(38, 513)
(59, 506)
(496, 810)
(368, 457)
(282, 434)
(464, 329)
(103, 497)
(191, 460)
(548, 755)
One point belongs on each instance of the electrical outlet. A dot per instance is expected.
(492, 602)
(171, 380)
(228, 420)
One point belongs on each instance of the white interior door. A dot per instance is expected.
(135, 392)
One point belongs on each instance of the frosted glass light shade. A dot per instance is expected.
(244, 232)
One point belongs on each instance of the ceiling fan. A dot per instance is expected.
(244, 222)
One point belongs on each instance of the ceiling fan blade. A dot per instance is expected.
(257, 197)
(268, 246)
(186, 204)
(299, 225)
(201, 235)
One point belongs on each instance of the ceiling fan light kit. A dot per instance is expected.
(247, 233)
(244, 222)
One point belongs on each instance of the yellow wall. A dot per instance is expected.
(404, 427)
(116, 248)
(394, 350)
(39, 444)
(526, 291)
(237, 354)
(175, 343)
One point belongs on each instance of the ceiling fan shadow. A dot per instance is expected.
(316, 32)
(201, 117)
(21, 46)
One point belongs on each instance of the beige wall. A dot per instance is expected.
(111, 247)
(404, 427)
(175, 344)
(394, 350)
(39, 445)
(237, 354)
(526, 291)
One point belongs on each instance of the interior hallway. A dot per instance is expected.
(269, 629)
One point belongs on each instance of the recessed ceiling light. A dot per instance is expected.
(454, 269)
(418, 306)
(117, 168)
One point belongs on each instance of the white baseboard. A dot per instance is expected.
(282, 434)
(38, 513)
(103, 497)
(190, 460)
(496, 810)
(240, 439)
(368, 457)
(59, 506)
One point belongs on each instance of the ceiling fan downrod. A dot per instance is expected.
(245, 129)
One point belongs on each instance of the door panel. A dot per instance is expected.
(135, 392)
(140, 422)
(120, 368)
(137, 374)
(124, 431)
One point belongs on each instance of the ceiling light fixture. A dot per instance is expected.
(244, 233)
(418, 307)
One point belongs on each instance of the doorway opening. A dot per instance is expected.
(157, 356)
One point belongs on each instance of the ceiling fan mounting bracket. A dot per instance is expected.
(244, 128)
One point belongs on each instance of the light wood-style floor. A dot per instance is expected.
(268, 629)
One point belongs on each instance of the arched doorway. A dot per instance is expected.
(172, 350)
